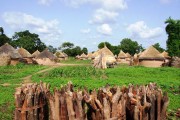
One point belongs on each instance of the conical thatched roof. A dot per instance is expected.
(60, 54)
(104, 50)
(122, 54)
(83, 55)
(8, 49)
(36, 53)
(151, 53)
(24, 53)
(46, 54)
(128, 55)
(165, 54)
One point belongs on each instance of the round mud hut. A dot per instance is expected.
(8, 50)
(83, 56)
(46, 58)
(60, 55)
(151, 57)
(26, 56)
(122, 57)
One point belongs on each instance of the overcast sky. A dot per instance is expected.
(86, 23)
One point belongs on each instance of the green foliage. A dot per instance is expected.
(158, 47)
(173, 41)
(3, 38)
(167, 78)
(52, 49)
(12, 75)
(27, 40)
(72, 60)
(132, 47)
(85, 50)
(107, 44)
(70, 50)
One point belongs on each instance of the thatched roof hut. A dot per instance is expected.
(104, 50)
(46, 58)
(128, 55)
(4, 59)
(165, 54)
(7, 49)
(83, 56)
(122, 55)
(61, 55)
(24, 53)
(36, 53)
(151, 57)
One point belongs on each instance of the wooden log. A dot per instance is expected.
(159, 97)
(30, 98)
(115, 100)
(56, 104)
(106, 108)
(17, 103)
(71, 113)
(165, 101)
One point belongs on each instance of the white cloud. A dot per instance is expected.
(104, 16)
(106, 4)
(105, 29)
(85, 31)
(45, 2)
(141, 30)
(48, 30)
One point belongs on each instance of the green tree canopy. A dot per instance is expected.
(173, 41)
(158, 47)
(85, 50)
(108, 45)
(27, 40)
(3, 38)
(132, 47)
(52, 49)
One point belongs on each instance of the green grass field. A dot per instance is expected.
(12, 75)
(86, 76)
(72, 60)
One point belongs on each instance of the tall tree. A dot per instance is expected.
(132, 47)
(3, 38)
(173, 41)
(27, 40)
(102, 44)
(158, 47)
(52, 49)
(85, 50)
(66, 45)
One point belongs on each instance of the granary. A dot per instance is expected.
(135, 61)
(9, 54)
(26, 56)
(151, 57)
(166, 56)
(122, 57)
(46, 58)
(128, 57)
(90, 55)
(36, 53)
(60, 55)
(104, 59)
(77, 57)
(83, 57)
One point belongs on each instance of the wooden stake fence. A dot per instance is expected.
(36, 102)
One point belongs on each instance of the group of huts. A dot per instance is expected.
(11, 56)
(104, 58)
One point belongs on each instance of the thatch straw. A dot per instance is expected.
(9, 50)
(24, 53)
(60, 54)
(128, 55)
(151, 53)
(104, 50)
(165, 54)
(4, 59)
(83, 55)
(46, 54)
(122, 54)
(36, 53)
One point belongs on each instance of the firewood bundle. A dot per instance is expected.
(31, 102)
(107, 103)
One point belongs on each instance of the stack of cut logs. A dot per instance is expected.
(35, 102)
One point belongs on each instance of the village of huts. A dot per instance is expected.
(102, 58)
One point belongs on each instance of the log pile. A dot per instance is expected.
(107, 103)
